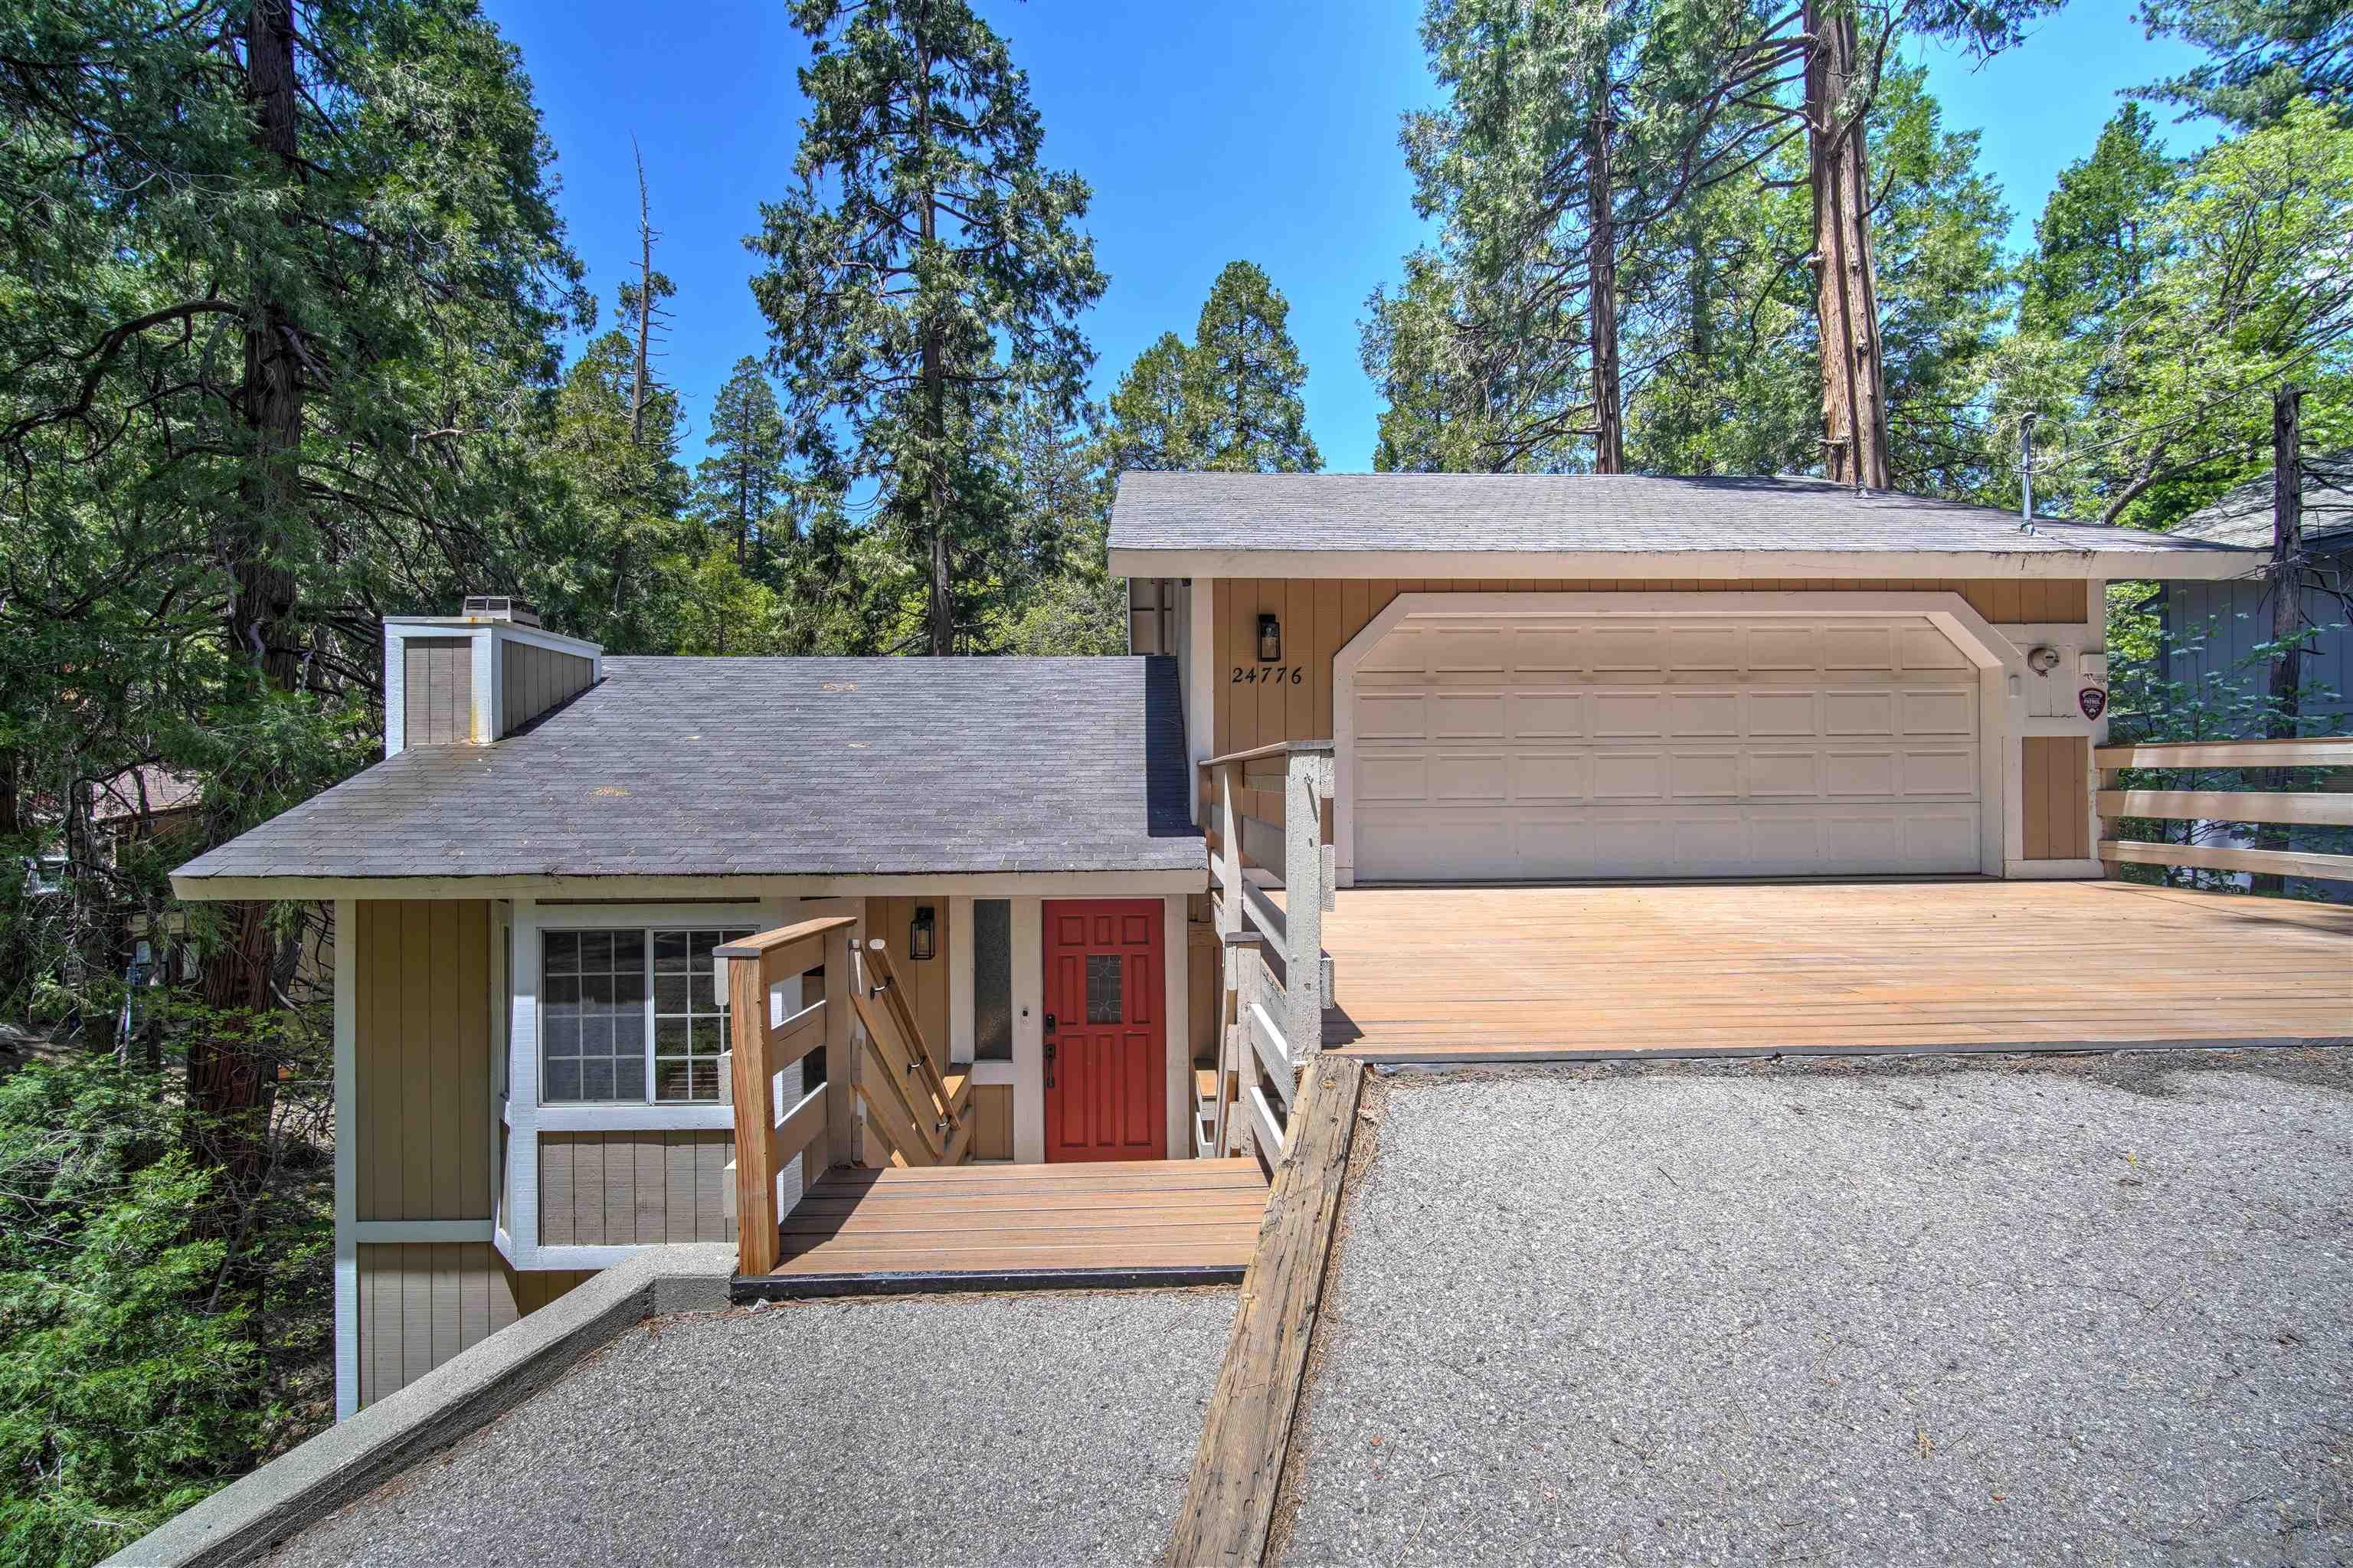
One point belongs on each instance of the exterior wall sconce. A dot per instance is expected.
(922, 934)
(1269, 640)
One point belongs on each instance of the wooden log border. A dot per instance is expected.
(1246, 1439)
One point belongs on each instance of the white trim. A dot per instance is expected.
(347, 1259)
(522, 1088)
(396, 697)
(993, 1071)
(2053, 869)
(2173, 565)
(623, 890)
(1993, 653)
(413, 1233)
(960, 959)
(587, 1257)
(490, 672)
(597, 918)
(1201, 693)
(634, 1115)
(1176, 1004)
(444, 625)
(1028, 1036)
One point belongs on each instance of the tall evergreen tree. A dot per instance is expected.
(1153, 422)
(1244, 379)
(928, 268)
(2264, 55)
(743, 489)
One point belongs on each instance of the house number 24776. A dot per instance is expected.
(1269, 674)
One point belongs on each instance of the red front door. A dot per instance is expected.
(1106, 1041)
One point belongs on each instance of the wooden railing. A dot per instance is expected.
(873, 1053)
(2269, 807)
(821, 1125)
(1278, 979)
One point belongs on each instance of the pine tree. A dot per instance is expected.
(743, 489)
(1153, 422)
(2266, 56)
(1244, 379)
(929, 268)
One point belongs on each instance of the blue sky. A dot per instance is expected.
(1210, 130)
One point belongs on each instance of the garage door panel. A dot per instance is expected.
(1939, 712)
(1693, 773)
(1858, 713)
(1546, 715)
(1630, 715)
(1667, 748)
(1457, 779)
(1549, 779)
(1464, 715)
(1951, 773)
(1387, 715)
(1630, 775)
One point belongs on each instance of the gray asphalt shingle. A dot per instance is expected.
(776, 767)
(1578, 512)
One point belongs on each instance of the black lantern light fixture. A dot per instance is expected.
(921, 937)
(1269, 640)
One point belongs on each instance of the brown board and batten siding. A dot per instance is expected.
(633, 1189)
(424, 1060)
(1320, 617)
(532, 680)
(437, 690)
(925, 980)
(421, 1304)
(2055, 793)
(992, 1121)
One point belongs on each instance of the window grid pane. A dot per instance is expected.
(592, 1016)
(689, 1014)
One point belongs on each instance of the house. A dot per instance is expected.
(570, 872)
(2212, 628)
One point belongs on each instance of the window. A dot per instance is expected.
(992, 980)
(606, 1032)
(1103, 989)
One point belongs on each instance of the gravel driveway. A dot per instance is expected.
(1022, 1430)
(2062, 1311)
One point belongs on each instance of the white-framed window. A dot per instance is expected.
(631, 1014)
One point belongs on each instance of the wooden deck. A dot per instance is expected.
(1151, 1222)
(1501, 973)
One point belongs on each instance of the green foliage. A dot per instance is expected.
(2265, 55)
(744, 490)
(2151, 362)
(1230, 400)
(929, 269)
(139, 1370)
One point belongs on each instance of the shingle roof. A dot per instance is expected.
(2242, 515)
(776, 767)
(1572, 513)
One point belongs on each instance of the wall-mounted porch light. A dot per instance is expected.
(1269, 640)
(921, 939)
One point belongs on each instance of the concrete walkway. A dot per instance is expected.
(1021, 1430)
(2061, 1310)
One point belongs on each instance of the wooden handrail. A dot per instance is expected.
(821, 1125)
(2309, 751)
(1277, 979)
(2272, 807)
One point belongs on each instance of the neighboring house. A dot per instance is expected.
(1522, 678)
(2213, 628)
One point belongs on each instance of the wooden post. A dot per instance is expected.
(1306, 783)
(843, 1129)
(2287, 605)
(757, 1238)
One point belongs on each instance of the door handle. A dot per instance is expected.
(1049, 1024)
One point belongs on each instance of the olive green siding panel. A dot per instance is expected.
(532, 680)
(422, 1012)
(421, 1304)
(633, 1189)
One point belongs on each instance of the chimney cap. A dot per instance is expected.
(500, 607)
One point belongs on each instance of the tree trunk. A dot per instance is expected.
(1601, 264)
(645, 304)
(1701, 301)
(1846, 300)
(2288, 603)
(225, 1075)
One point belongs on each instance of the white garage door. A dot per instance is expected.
(1546, 746)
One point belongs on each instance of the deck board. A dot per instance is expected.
(1114, 1217)
(1514, 972)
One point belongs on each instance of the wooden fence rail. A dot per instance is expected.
(1278, 979)
(2271, 807)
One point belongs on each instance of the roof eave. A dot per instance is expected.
(2203, 563)
(641, 887)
